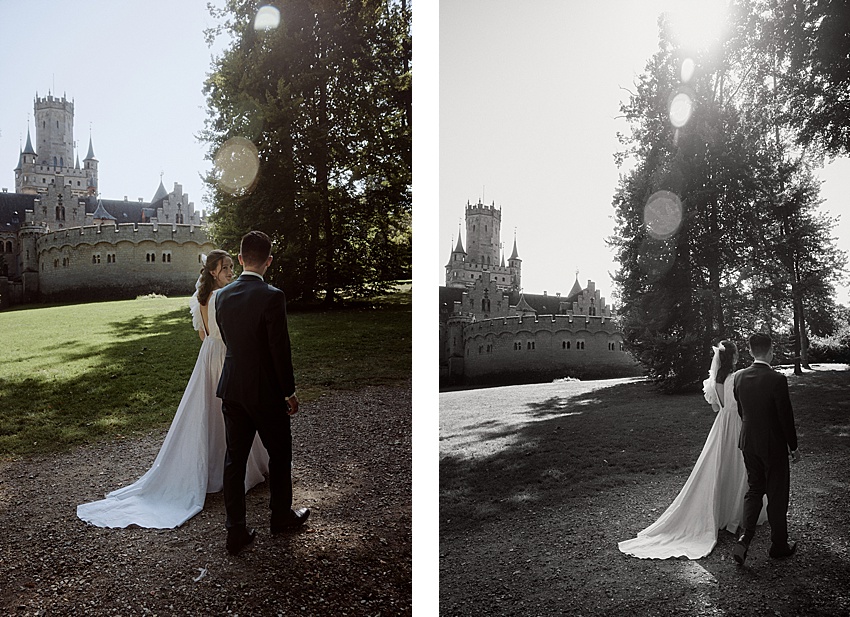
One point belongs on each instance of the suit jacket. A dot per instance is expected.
(251, 315)
(767, 428)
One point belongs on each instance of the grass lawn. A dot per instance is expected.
(78, 373)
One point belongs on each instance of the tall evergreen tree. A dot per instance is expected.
(325, 98)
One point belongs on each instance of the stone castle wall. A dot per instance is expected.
(522, 349)
(120, 261)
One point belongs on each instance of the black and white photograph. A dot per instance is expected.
(643, 308)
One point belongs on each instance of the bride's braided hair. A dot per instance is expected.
(207, 285)
(727, 359)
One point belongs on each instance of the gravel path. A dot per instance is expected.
(352, 466)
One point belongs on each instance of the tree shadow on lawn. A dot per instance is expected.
(133, 383)
(542, 516)
(575, 446)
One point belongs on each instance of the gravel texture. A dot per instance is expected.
(352, 467)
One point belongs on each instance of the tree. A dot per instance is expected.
(325, 98)
(814, 39)
(752, 251)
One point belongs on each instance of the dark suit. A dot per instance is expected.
(767, 434)
(256, 380)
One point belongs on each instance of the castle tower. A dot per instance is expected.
(483, 228)
(515, 264)
(54, 131)
(454, 269)
(25, 171)
(90, 168)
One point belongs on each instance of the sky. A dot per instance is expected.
(135, 71)
(529, 99)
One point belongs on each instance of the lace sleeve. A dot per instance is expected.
(195, 310)
(709, 391)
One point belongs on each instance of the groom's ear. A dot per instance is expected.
(241, 263)
(269, 261)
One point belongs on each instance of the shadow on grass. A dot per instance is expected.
(134, 383)
(576, 446)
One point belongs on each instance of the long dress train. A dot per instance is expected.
(712, 498)
(190, 462)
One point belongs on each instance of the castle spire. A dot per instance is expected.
(90, 156)
(576, 287)
(160, 192)
(514, 255)
(29, 149)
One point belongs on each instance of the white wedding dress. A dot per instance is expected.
(190, 462)
(713, 496)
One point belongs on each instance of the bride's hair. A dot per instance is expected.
(207, 282)
(727, 359)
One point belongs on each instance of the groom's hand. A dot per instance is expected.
(292, 405)
(795, 456)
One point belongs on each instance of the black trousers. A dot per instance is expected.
(241, 424)
(771, 476)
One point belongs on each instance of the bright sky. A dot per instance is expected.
(529, 95)
(135, 72)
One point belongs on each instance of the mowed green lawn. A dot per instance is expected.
(76, 374)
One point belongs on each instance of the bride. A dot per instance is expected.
(190, 462)
(713, 496)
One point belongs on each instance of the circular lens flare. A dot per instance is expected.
(662, 215)
(268, 18)
(236, 165)
(681, 108)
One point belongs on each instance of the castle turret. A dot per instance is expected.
(454, 269)
(54, 130)
(25, 171)
(90, 166)
(483, 228)
(515, 264)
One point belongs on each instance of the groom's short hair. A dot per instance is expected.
(255, 248)
(760, 343)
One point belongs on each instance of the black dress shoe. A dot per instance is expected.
(295, 520)
(237, 539)
(739, 552)
(780, 552)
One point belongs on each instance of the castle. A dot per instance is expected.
(493, 332)
(60, 241)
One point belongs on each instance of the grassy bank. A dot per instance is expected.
(79, 373)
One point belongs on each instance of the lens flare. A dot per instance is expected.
(687, 71)
(268, 18)
(236, 165)
(681, 108)
(662, 215)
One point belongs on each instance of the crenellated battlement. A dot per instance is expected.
(479, 208)
(55, 102)
(551, 323)
(123, 232)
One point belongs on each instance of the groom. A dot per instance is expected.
(257, 388)
(767, 439)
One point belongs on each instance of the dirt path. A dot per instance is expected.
(352, 456)
(530, 527)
